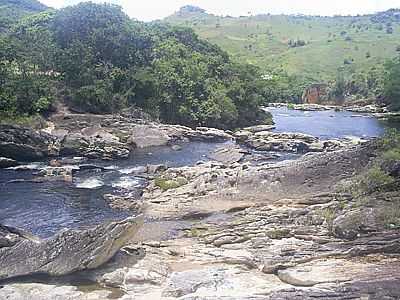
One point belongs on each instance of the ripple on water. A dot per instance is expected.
(132, 170)
(127, 183)
(90, 183)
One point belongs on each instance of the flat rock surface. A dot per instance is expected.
(65, 253)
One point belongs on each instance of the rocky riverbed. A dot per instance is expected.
(227, 228)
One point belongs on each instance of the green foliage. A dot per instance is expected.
(326, 49)
(98, 60)
(389, 141)
(329, 214)
(339, 89)
(390, 216)
(374, 179)
(12, 10)
(377, 176)
(168, 184)
(392, 84)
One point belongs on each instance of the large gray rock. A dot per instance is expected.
(228, 155)
(143, 136)
(25, 144)
(7, 162)
(39, 291)
(67, 252)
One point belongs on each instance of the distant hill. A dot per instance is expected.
(12, 10)
(313, 47)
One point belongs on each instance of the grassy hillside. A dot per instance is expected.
(276, 41)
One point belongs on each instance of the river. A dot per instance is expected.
(46, 207)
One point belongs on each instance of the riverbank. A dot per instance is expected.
(237, 225)
(238, 231)
(375, 111)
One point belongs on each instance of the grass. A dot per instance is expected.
(36, 121)
(390, 216)
(263, 40)
(167, 184)
(329, 215)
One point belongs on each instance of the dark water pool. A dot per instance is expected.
(45, 208)
(327, 124)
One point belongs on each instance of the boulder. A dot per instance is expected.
(228, 155)
(65, 253)
(154, 169)
(74, 144)
(64, 173)
(176, 147)
(208, 134)
(25, 144)
(7, 162)
(348, 226)
(143, 136)
(260, 128)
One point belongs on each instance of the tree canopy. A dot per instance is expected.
(96, 59)
(392, 83)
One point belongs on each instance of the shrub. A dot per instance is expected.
(290, 106)
(390, 140)
(390, 216)
(168, 184)
(373, 180)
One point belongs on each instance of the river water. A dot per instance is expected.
(45, 207)
(327, 124)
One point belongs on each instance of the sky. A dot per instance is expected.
(147, 10)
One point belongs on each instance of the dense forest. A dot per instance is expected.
(95, 59)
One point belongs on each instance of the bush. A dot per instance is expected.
(168, 184)
(390, 140)
(390, 216)
(373, 180)
(290, 106)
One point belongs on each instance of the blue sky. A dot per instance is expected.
(155, 9)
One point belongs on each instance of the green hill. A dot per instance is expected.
(94, 58)
(12, 10)
(313, 47)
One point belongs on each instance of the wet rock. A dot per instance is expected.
(154, 169)
(367, 109)
(7, 162)
(74, 144)
(59, 173)
(304, 107)
(260, 128)
(129, 202)
(290, 142)
(24, 144)
(67, 252)
(176, 147)
(228, 155)
(208, 134)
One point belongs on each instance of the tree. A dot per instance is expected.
(392, 83)
(339, 89)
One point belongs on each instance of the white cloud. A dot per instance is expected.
(53, 3)
(156, 9)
